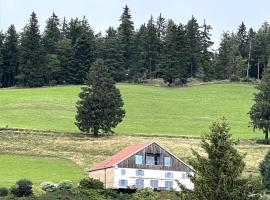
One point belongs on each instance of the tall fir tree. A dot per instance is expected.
(242, 40)
(10, 57)
(2, 37)
(126, 34)
(32, 55)
(100, 107)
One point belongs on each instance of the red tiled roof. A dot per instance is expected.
(118, 157)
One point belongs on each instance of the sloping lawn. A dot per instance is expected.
(149, 109)
(37, 168)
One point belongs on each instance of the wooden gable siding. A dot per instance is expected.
(177, 165)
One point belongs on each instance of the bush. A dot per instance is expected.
(247, 80)
(65, 185)
(90, 183)
(94, 194)
(264, 168)
(235, 78)
(145, 194)
(22, 188)
(3, 192)
(38, 192)
(48, 186)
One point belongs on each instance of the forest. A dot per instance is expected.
(160, 48)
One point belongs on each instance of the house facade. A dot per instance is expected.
(141, 166)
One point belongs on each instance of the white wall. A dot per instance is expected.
(159, 175)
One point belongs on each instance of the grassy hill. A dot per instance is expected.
(150, 109)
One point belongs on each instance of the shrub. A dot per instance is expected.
(247, 80)
(90, 183)
(22, 188)
(145, 194)
(48, 186)
(235, 78)
(264, 168)
(65, 185)
(94, 194)
(3, 192)
(38, 191)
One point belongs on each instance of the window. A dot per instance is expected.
(138, 159)
(139, 172)
(152, 159)
(168, 175)
(168, 185)
(154, 184)
(123, 172)
(123, 183)
(139, 183)
(167, 161)
(184, 175)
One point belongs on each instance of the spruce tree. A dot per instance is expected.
(242, 40)
(2, 37)
(32, 55)
(126, 34)
(264, 168)
(260, 111)
(218, 175)
(10, 57)
(100, 107)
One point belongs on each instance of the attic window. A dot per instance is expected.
(152, 159)
(138, 159)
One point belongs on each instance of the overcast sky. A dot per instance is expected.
(222, 15)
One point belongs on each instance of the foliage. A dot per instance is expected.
(22, 188)
(48, 186)
(260, 111)
(37, 192)
(145, 194)
(3, 192)
(264, 168)
(100, 106)
(65, 185)
(90, 183)
(94, 194)
(218, 175)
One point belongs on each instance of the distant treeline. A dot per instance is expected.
(161, 48)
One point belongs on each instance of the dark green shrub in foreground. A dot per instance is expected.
(265, 170)
(90, 183)
(145, 194)
(3, 192)
(65, 185)
(22, 188)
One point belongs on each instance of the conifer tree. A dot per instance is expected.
(10, 57)
(260, 111)
(242, 40)
(100, 107)
(218, 175)
(2, 37)
(264, 168)
(33, 55)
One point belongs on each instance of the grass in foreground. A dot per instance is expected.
(86, 151)
(150, 109)
(37, 168)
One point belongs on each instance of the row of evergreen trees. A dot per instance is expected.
(161, 48)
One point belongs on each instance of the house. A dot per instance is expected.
(143, 165)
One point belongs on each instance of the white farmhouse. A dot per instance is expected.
(143, 165)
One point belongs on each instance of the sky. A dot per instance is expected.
(222, 15)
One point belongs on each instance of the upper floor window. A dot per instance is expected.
(154, 184)
(167, 161)
(123, 183)
(152, 159)
(168, 175)
(168, 185)
(123, 172)
(139, 172)
(138, 159)
(139, 183)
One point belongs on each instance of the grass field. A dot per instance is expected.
(86, 151)
(150, 109)
(37, 169)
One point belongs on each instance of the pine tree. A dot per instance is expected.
(100, 107)
(260, 111)
(242, 40)
(126, 34)
(33, 55)
(218, 175)
(2, 37)
(10, 57)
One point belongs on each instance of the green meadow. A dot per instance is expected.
(149, 109)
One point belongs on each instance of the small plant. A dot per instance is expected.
(3, 192)
(48, 186)
(38, 191)
(22, 188)
(235, 78)
(65, 185)
(90, 183)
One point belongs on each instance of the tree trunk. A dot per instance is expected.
(266, 135)
(95, 132)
